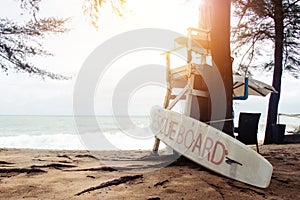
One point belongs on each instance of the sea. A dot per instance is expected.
(71, 133)
(65, 133)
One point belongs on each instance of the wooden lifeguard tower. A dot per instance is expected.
(198, 46)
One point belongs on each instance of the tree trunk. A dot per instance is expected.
(277, 74)
(220, 45)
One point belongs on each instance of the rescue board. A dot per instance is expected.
(210, 147)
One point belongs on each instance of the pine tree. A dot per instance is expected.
(264, 22)
(21, 40)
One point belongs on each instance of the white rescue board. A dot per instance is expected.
(210, 147)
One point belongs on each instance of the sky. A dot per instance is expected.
(22, 94)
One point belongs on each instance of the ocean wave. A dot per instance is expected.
(88, 141)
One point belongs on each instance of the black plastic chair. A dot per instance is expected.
(247, 129)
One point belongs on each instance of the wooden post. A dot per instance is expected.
(167, 99)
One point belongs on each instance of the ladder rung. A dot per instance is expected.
(199, 93)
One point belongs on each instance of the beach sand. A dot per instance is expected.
(45, 174)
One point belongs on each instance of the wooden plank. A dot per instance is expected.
(200, 93)
(179, 83)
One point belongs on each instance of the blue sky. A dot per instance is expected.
(24, 94)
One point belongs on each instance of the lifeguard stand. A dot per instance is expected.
(183, 78)
(198, 47)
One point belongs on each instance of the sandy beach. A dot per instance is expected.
(45, 174)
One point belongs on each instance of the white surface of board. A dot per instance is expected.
(210, 147)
